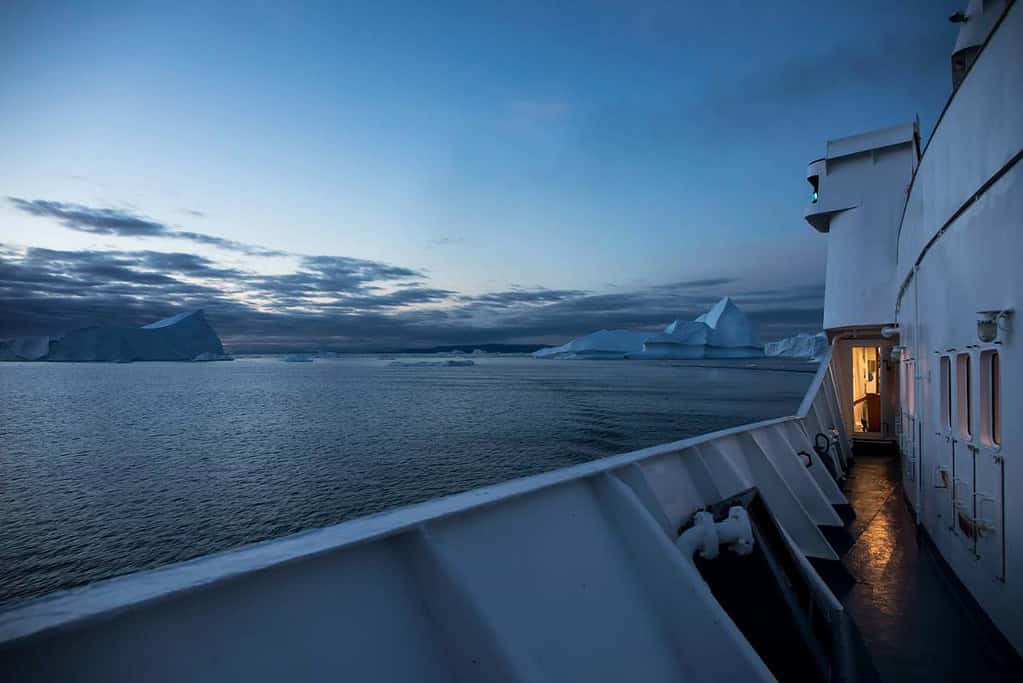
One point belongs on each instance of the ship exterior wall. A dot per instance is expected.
(959, 253)
(979, 132)
(862, 240)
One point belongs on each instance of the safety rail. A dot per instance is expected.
(568, 574)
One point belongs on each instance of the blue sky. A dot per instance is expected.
(527, 171)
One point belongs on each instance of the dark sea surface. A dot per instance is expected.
(110, 468)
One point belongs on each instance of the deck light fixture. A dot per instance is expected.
(895, 355)
(990, 322)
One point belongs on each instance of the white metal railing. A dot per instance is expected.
(465, 573)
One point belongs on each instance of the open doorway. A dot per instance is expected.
(866, 389)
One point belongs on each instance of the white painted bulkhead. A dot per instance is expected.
(569, 575)
(859, 197)
(959, 253)
(861, 193)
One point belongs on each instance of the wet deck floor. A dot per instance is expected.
(913, 617)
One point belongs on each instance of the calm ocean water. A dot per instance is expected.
(107, 469)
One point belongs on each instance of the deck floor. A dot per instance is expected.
(915, 620)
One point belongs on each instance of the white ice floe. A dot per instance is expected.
(803, 345)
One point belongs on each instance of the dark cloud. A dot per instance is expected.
(224, 243)
(888, 61)
(346, 303)
(51, 291)
(776, 89)
(86, 219)
(107, 221)
(698, 284)
(341, 272)
(519, 297)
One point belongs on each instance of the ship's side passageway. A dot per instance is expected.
(916, 621)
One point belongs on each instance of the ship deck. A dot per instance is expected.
(916, 620)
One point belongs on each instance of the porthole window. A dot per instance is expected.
(964, 416)
(945, 396)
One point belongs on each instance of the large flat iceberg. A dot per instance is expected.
(722, 332)
(25, 348)
(182, 337)
(608, 344)
(803, 345)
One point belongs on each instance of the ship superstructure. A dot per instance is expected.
(712, 558)
(923, 280)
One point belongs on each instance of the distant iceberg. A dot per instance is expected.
(612, 344)
(182, 337)
(803, 345)
(25, 348)
(730, 328)
(431, 363)
(722, 332)
(297, 358)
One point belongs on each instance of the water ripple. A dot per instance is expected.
(107, 469)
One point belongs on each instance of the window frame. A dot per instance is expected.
(945, 393)
(964, 396)
(990, 398)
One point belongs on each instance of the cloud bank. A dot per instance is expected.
(329, 301)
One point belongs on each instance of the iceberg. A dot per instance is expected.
(803, 345)
(722, 332)
(182, 337)
(25, 348)
(603, 344)
(680, 339)
(730, 328)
